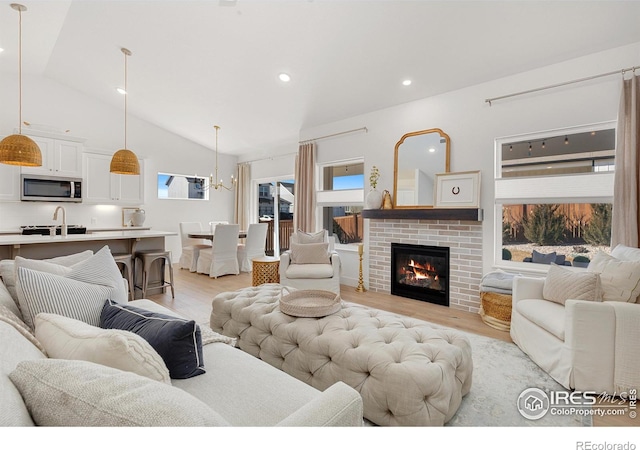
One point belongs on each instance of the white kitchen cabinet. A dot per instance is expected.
(60, 158)
(9, 183)
(102, 186)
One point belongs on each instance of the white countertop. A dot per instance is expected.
(89, 229)
(14, 239)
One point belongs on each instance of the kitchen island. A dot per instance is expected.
(130, 241)
(42, 247)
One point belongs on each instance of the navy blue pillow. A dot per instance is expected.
(177, 341)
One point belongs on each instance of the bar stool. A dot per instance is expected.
(126, 261)
(147, 257)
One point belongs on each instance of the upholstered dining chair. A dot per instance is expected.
(191, 247)
(222, 257)
(253, 247)
(212, 225)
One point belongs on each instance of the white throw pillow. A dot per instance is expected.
(562, 284)
(620, 280)
(66, 393)
(310, 253)
(42, 266)
(66, 338)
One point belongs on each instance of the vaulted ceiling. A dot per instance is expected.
(200, 63)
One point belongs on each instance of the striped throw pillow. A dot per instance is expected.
(79, 295)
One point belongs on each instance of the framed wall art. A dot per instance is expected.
(457, 190)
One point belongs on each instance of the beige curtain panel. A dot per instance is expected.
(625, 218)
(243, 193)
(304, 206)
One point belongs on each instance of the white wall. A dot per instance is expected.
(49, 103)
(473, 125)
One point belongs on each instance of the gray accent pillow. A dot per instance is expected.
(562, 284)
(543, 258)
(60, 392)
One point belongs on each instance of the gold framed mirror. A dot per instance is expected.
(419, 156)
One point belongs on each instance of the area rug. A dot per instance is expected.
(501, 371)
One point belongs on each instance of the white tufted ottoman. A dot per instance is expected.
(408, 372)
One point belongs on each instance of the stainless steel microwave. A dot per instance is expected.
(44, 188)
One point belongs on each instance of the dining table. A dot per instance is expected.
(208, 235)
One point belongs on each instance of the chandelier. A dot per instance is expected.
(213, 180)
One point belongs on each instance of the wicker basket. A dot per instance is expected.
(309, 303)
(495, 310)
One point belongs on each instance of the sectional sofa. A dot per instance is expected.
(236, 389)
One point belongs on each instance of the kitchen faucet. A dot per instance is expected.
(63, 231)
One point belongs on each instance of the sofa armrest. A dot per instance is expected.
(590, 330)
(526, 288)
(335, 262)
(285, 260)
(338, 406)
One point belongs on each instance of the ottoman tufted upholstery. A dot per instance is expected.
(408, 372)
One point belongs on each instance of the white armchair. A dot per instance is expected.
(322, 276)
(584, 345)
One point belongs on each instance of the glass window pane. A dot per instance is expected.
(573, 231)
(182, 187)
(343, 177)
(344, 222)
(582, 152)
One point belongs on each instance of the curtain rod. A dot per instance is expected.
(268, 158)
(489, 100)
(335, 134)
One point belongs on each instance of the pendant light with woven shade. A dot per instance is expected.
(124, 161)
(18, 149)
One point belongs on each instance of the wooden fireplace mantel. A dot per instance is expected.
(470, 214)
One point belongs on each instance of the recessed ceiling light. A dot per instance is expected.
(284, 77)
(432, 150)
(121, 91)
(406, 82)
(1, 50)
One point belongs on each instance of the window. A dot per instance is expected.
(340, 200)
(553, 194)
(182, 187)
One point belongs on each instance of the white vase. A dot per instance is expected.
(373, 200)
(137, 218)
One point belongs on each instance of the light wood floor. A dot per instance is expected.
(195, 292)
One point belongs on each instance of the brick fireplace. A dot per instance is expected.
(463, 237)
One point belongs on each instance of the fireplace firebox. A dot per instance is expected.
(420, 272)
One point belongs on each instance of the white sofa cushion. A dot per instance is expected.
(8, 316)
(61, 392)
(79, 295)
(549, 316)
(626, 253)
(562, 284)
(620, 280)
(66, 338)
(13, 349)
(314, 271)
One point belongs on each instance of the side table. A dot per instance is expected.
(266, 269)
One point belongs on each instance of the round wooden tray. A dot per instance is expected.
(309, 303)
